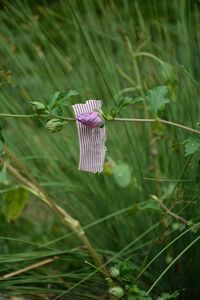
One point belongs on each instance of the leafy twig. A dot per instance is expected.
(170, 123)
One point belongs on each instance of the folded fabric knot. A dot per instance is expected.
(91, 119)
(91, 135)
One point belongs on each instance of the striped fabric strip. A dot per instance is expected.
(91, 140)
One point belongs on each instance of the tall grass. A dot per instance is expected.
(90, 46)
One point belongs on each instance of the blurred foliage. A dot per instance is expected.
(105, 50)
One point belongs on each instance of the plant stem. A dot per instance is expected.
(32, 185)
(64, 118)
(3, 115)
(148, 55)
(169, 212)
(158, 121)
(28, 268)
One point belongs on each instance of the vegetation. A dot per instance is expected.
(137, 234)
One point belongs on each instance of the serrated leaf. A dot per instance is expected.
(72, 93)
(13, 203)
(114, 112)
(129, 101)
(122, 174)
(157, 98)
(60, 98)
(192, 145)
(54, 101)
(127, 270)
(123, 103)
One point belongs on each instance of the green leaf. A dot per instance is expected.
(55, 100)
(117, 292)
(39, 107)
(124, 103)
(166, 296)
(127, 270)
(192, 145)
(114, 112)
(157, 98)
(55, 125)
(167, 71)
(3, 175)
(59, 99)
(72, 93)
(122, 174)
(135, 293)
(129, 101)
(13, 203)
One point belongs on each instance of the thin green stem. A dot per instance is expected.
(166, 247)
(3, 115)
(158, 121)
(64, 118)
(172, 263)
(148, 55)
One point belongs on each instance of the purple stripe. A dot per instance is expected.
(91, 140)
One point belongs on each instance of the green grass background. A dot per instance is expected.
(89, 46)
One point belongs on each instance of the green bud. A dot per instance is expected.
(117, 292)
(109, 280)
(54, 125)
(39, 107)
(114, 273)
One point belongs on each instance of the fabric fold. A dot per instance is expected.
(91, 140)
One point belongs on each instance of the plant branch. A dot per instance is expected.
(28, 268)
(31, 183)
(5, 115)
(170, 123)
(147, 54)
(158, 121)
(169, 212)
(168, 180)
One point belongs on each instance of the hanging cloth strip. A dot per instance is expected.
(91, 140)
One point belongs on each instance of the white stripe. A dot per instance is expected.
(91, 140)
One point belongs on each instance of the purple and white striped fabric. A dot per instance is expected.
(91, 140)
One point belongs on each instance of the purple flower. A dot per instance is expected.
(90, 119)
